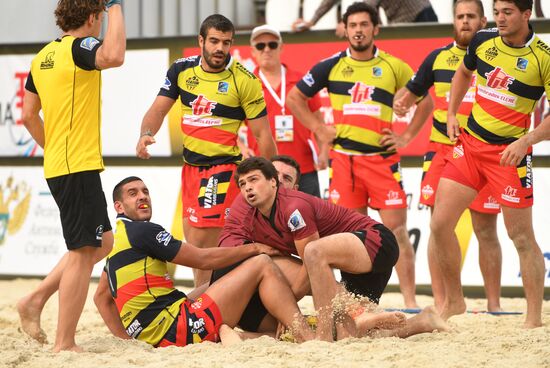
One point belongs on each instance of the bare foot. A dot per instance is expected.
(432, 321)
(494, 308)
(454, 309)
(383, 320)
(229, 336)
(532, 324)
(75, 348)
(30, 319)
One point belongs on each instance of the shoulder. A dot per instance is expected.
(185, 63)
(240, 71)
(483, 36)
(293, 199)
(389, 58)
(332, 60)
(144, 231)
(541, 47)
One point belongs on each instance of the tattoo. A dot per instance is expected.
(147, 132)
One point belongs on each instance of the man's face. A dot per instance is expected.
(467, 22)
(509, 19)
(266, 57)
(256, 189)
(287, 175)
(360, 31)
(215, 48)
(136, 202)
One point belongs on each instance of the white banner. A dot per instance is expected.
(127, 93)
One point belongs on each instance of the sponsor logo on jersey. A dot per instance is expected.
(528, 171)
(134, 329)
(498, 79)
(296, 221)
(197, 304)
(360, 92)
(427, 191)
(510, 194)
(202, 106)
(541, 45)
(211, 192)
(48, 62)
(393, 198)
(491, 203)
(197, 327)
(223, 87)
(453, 60)
(491, 53)
(347, 71)
(522, 63)
(334, 196)
(376, 71)
(192, 82)
(99, 232)
(163, 237)
(167, 84)
(89, 43)
(308, 79)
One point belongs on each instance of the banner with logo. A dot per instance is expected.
(31, 240)
(127, 93)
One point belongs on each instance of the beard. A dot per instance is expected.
(208, 58)
(463, 38)
(360, 47)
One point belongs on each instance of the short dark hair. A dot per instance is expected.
(257, 163)
(522, 5)
(73, 14)
(218, 22)
(479, 4)
(361, 7)
(290, 162)
(117, 191)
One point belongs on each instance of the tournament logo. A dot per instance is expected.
(202, 106)
(491, 53)
(223, 87)
(376, 71)
(453, 60)
(163, 237)
(192, 82)
(89, 43)
(296, 221)
(498, 79)
(308, 79)
(334, 196)
(360, 92)
(522, 63)
(427, 191)
(167, 84)
(347, 71)
(48, 62)
(14, 207)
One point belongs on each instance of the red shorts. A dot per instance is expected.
(358, 181)
(197, 322)
(207, 194)
(434, 162)
(477, 164)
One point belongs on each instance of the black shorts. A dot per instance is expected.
(82, 208)
(372, 284)
(309, 183)
(255, 311)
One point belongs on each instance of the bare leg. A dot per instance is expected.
(383, 320)
(233, 291)
(426, 321)
(202, 237)
(30, 306)
(490, 256)
(451, 200)
(396, 221)
(229, 336)
(519, 224)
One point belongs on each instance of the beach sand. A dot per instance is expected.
(476, 340)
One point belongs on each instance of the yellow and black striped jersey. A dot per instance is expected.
(438, 70)
(64, 76)
(361, 94)
(510, 81)
(213, 106)
(138, 278)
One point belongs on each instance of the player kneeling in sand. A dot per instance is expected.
(137, 299)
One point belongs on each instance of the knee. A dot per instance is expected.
(486, 234)
(313, 255)
(523, 240)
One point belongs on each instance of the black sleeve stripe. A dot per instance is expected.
(84, 58)
(424, 78)
(29, 85)
(319, 74)
(443, 76)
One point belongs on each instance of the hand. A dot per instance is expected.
(514, 153)
(301, 25)
(267, 249)
(109, 3)
(141, 148)
(340, 30)
(453, 128)
(392, 141)
(322, 160)
(400, 108)
(325, 133)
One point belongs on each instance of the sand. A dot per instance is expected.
(476, 340)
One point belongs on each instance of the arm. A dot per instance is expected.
(459, 86)
(403, 101)
(111, 53)
(261, 131)
(107, 308)
(300, 25)
(152, 121)
(31, 117)
(301, 286)
(322, 158)
(215, 258)
(297, 102)
(516, 151)
(423, 111)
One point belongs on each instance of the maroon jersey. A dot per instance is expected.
(294, 216)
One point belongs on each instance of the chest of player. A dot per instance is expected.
(274, 233)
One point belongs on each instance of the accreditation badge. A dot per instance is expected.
(284, 128)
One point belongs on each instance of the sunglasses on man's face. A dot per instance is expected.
(261, 45)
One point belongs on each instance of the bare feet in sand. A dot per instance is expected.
(383, 320)
(432, 321)
(29, 316)
(229, 336)
(453, 309)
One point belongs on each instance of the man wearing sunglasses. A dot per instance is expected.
(216, 94)
(291, 136)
